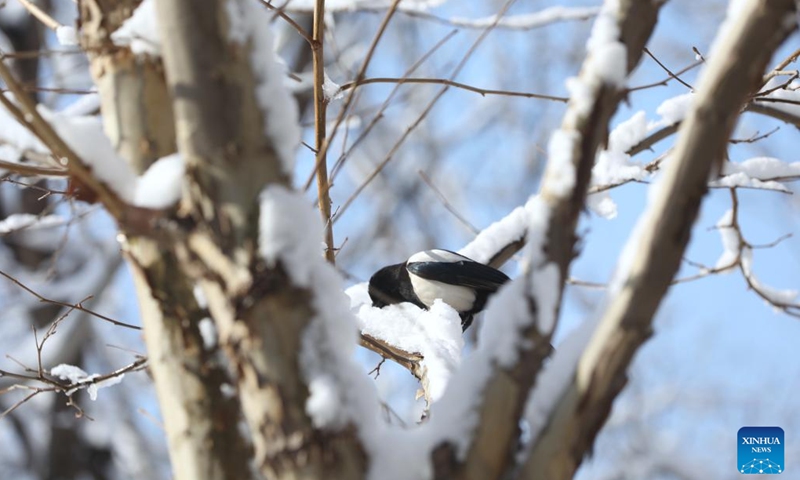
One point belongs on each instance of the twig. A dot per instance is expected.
(320, 108)
(783, 64)
(424, 113)
(755, 137)
(279, 12)
(24, 169)
(539, 19)
(669, 72)
(77, 306)
(451, 83)
(40, 15)
(29, 116)
(450, 208)
(377, 369)
(665, 82)
(323, 150)
(379, 114)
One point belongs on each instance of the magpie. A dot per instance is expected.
(458, 281)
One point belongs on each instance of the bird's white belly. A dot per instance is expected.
(460, 298)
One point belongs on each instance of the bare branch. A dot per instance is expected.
(451, 83)
(40, 15)
(77, 306)
(30, 117)
(320, 109)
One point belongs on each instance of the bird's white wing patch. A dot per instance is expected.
(441, 256)
(460, 298)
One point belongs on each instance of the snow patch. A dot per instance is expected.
(27, 221)
(673, 110)
(493, 238)
(601, 204)
(160, 186)
(140, 31)
(758, 172)
(331, 90)
(209, 333)
(340, 393)
(279, 239)
(775, 296)
(67, 36)
(607, 57)
(560, 171)
(86, 137)
(78, 378)
(434, 333)
(730, 241)
(249, 27)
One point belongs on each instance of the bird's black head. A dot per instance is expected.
(387, 285)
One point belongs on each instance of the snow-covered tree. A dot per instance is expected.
(166, 150)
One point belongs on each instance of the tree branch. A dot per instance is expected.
(734, 72)
(320, 109)
(584, 129)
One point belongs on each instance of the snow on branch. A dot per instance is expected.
(38, 380)
(250, 27)
(340, 395)
(524, 21)
(737, 253)
(25, 112)
(140, 31)
(27, 221)
(747, 40)
(615, 166)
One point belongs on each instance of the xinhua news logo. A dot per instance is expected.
(760, 450)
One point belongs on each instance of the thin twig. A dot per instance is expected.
(379, 114)
(424, 113)
(320, 109)
(665, 82)
(30, 117)
(300, 30)
(669, 72)
(25, 169)
(782, 65)
(450, 208)
(40, 15)
(451, 83)
(77, 306)
(323, 150)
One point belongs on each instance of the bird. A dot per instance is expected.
(458, 281)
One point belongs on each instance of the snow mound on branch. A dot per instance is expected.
(160, 186)
(78, 378)
(340, 393)
(27, 221)
(86, 137)
(730, 241)
(673, 110)
(140, 31)
(250, 26)
(758, 172)
(434, 333)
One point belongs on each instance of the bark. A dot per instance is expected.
(492, 450)
(133, 93)
(734, 72)
(200, 419)
(260, 315)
